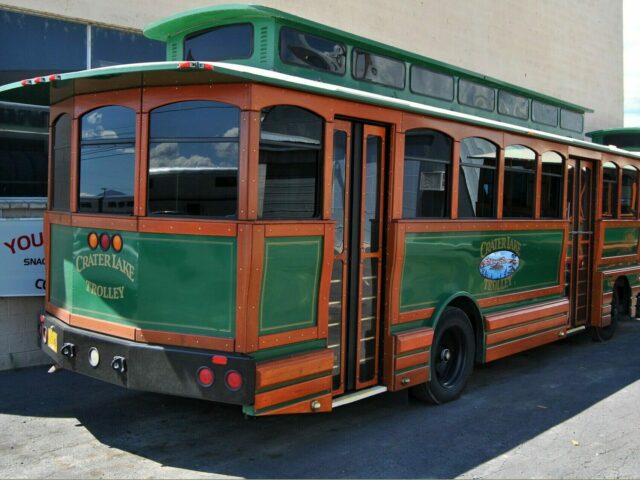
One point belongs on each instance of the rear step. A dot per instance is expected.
(359, 395)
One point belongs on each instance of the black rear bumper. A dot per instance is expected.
(152, 368)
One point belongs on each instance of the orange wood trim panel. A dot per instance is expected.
(236, 94)
(619, 259)
(184, 340)
(303, 407)
(510, 348)
(457, 131)
(500, 183)
(59, 312)
(515, 297)
(510, 318)
(421, 226)
(605, 321)
(294, 229)
(287, 338)
(243, 165)
(105, 222)
(327, 171)
(253, 159)
(606, 310)
(275, 372)
(126, 98)
(410, 378)
(528, 329)
(103, 326)
(188, 227)
(607, 298)
(143, 164)
(285, 394)
(74, 167)
(421, 314)
(414, 340)
(59, 218)
(412, 360)
(455, 179)
(242, 284)
(584, 153)
(325, 281)
(255, 285)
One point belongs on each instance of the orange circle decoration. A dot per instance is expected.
(116, 242)
(92, 240)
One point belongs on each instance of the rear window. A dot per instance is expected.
(311, 51)
(222, 43)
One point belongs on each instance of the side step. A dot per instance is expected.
(359, 395)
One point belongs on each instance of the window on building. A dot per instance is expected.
(306, 50)
(477, 178)
(221, 43)
(107, 160)
(519, 198)
(373, 68)
(513, 105)
(427, 168)
(552, 185)
(609, 189)
(476, 95)
(431, 84)
(115, 47)
(290, 173)
(193, 159)
(629, 194)
(544, 113)
(61, 163)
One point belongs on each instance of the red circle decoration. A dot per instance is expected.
(105, 241)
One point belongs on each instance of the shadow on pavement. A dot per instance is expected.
(505, 404)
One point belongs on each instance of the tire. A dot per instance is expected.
(604, 334)
(452, 357)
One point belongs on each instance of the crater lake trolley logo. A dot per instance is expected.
(500, 260)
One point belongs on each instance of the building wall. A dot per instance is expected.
(569, 49)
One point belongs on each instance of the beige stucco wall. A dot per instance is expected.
(570, 49)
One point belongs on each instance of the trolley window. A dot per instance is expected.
(571, 120)
(477, 178)
(431, 84)
(513, 105)
(311, 51)
(629, 196)
(222, 43)
(193, 159)
(476, 95)
(373, 68)
(544, 113)
(107, 161)
(61, 163)
(552, 185)
(519, 196)
(609, 189)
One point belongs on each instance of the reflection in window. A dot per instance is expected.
(339, 187)
(513, 105)
(544, 113)
(222, 43)
(476, 95)
(629, 197)
(371, 218)
(299, 48)
(609, 189)
(115, 47)
(289, 172)
(476, 189)
(193, 159)
(427, 164)
(107, 155)
(61, 163)
(432, 84)
(377, 69)
(552, 185)
(519, 182)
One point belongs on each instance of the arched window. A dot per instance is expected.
(193, 159)
(609, 189)
(477, 179)
(61, 163)
(290, 174)
(629, 197)
(427, 168)
(107, 160)
(519, 197)
(552, 185)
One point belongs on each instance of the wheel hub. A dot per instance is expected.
(445, 355)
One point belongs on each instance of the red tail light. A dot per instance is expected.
(105, 241)
(205, 376)
(42, 318)
(219, 360)
(185, 65)
(234, 380)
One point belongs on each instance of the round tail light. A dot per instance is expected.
(94, 357)
(205, 376)
(105, 241)
(234, 380)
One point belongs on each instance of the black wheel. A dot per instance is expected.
(452, 355)
(603, 334)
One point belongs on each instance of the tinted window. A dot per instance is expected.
(519, 182)
(513, 105)
(427, 166)
(339, 187)
(431, 84)
(23, 150)
(544, 113)
(61, 163)
(477, 189)
(289, 172)
(622, 140)
(552, 185)
(609, 189)
(299, 48)
(114, 47)
(193, 159)
(107, 154)
(476, 95)
(629, 196)
(222, 43)
(377, 69)
(571, 120)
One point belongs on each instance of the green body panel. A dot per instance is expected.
(175, 283)
(290, 284)
(620, 241)
(439, 265)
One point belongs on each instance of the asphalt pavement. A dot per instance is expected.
(566, 410)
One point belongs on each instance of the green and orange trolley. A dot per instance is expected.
(289, 218)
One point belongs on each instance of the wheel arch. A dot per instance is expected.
(465, 302)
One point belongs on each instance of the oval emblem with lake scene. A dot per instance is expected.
(500, 264)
